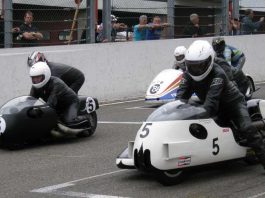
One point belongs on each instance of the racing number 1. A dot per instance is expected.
(145, 130)
(215, 146)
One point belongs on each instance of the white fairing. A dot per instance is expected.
(2, 125)
(172, 146)
(163, 87)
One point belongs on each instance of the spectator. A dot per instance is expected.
(233, 25)
(248, 26)
(140, 30)
(116, 27)
(193, 29)
(2, 31)
(154, 33)
(83, 36)
(29, 33)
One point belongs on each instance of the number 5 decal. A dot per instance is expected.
(215, 146)
(145, 130)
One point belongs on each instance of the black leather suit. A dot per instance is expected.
(73, 77)
(61, 98)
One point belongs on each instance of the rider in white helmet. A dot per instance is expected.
(71, 76)
(179, 54)
(220, 97)
(56, 94)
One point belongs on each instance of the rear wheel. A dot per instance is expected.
(93, 120)
(170, 177)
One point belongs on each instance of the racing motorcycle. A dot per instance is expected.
(26, 119)
(179, 137)
(164, 87)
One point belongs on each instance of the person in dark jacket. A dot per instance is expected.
(248, 26)
(219, 95)
(194, 29)
(73, 77)
(56, 94)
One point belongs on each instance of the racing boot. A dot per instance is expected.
(255, 141)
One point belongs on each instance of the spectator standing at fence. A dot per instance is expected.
(156, 28)
(233, 25)
(248, 26)
(194, 29)
(140, 30)
(116, 27)
(29, 33)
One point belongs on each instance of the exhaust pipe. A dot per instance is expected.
(70, 131)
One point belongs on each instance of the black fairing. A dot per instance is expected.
(27, 123)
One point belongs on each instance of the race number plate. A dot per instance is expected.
(90, 105)
(2, 125)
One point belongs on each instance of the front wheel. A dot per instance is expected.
(250, 89)
(170, 177)
(93, 120)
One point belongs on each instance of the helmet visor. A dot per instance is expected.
(37, 79)
(180, 57)
(197, 68)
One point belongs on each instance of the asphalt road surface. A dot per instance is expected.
(86, 167)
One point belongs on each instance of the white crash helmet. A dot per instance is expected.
(35, 57)
(199, 59)
(179, 54)
(40, 74)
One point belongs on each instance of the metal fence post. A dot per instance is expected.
(91, 16)
(106, 19)
(170, 17)
(236, 9)
(225, 16)
(8, 16)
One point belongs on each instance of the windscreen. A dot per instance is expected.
(177, 110)
(17, 104)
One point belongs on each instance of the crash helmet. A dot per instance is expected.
(179, 54)
(35, 57)
(218, 45)
(40, 74)
(199, 59)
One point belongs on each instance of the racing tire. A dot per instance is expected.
(250, 90)
(93, 119)
(170, 177)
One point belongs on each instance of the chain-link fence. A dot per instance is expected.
(54, 20)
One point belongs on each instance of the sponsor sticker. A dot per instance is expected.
(184, 161)
(155, 88)
(225, 130)
(2, 125)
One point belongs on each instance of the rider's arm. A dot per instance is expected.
(34, 93)
(185, 91)
(228, 55)
(212, 100)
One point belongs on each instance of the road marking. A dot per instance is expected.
(55, 188)
(114, 122)
(141, 107)
(259, 83)
(122, 102)
(81, 194)
(257, 195)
